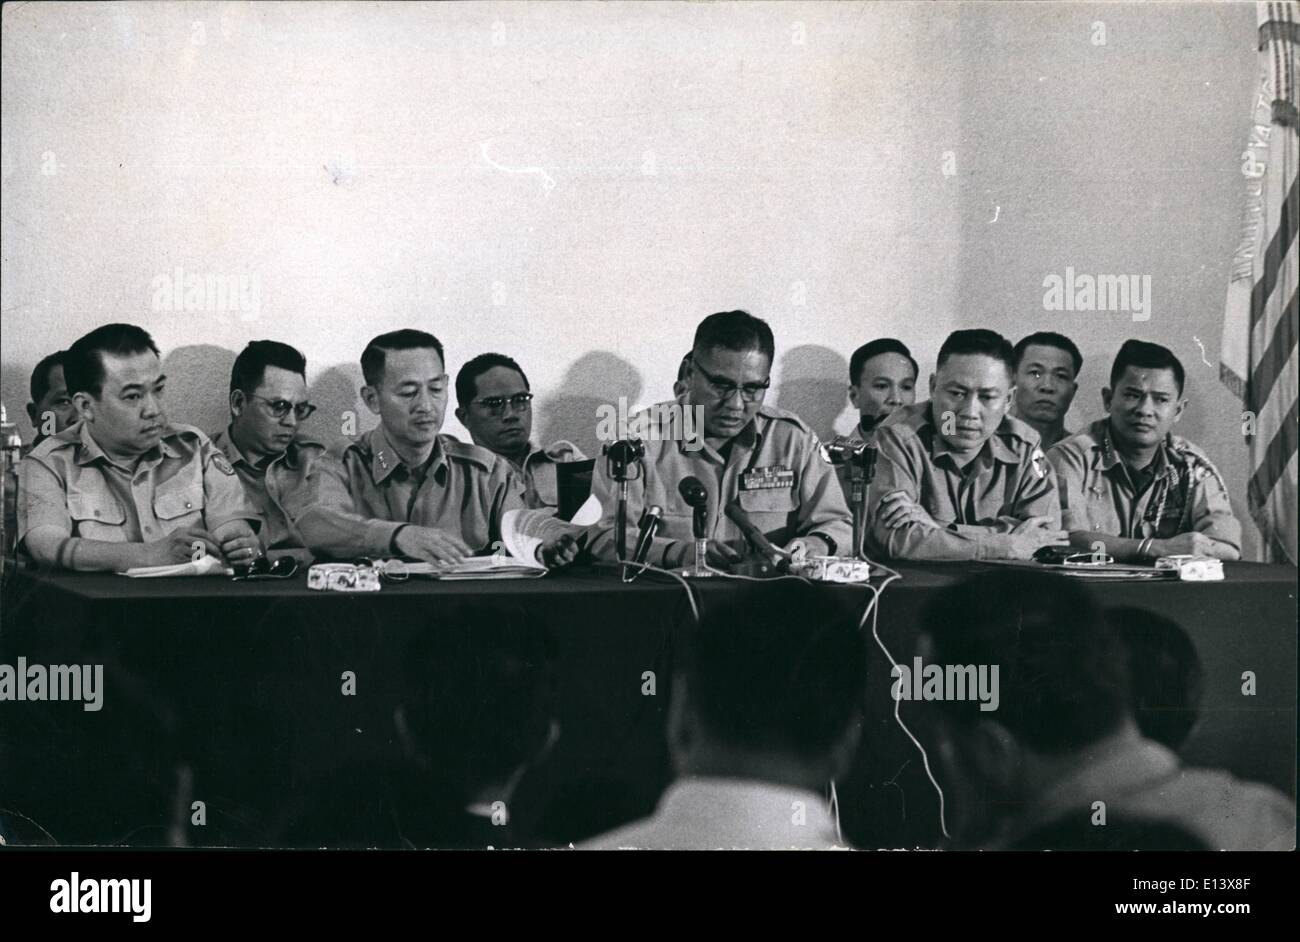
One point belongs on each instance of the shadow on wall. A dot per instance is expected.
(198, 386)
(814, 384)
(339, 409)
(596, 379)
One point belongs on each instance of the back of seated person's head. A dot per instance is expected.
(1061, 667)
(1062, 686)
(479, 704)
(771, 686)
(1165, 672)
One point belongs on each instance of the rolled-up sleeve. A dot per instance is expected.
(224, 499)
(42, 499)
(327, 515)
(1069, 465)
(1037, 494)
(1211, 509)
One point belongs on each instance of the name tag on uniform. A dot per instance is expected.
(767, 479)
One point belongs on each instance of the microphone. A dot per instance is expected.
(697, 497)
(736, 514)
(621, 455)
(859, 454)
(650, 521)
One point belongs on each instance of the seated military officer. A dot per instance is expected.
(403, 489)
(1047, 365)
(495, 404)
(762, 458)
(263, 442)
(882, 378)
(1128, 483)
(124, 488)
(956, 477)
(51, 409)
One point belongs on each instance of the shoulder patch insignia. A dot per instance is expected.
(220, 462)
(1039, 462)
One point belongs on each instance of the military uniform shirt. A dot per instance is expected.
(268, 487)
(1100, 492)
(541, 485)
(68, 482)
(359, 494)
(775, 470)
(975, 508)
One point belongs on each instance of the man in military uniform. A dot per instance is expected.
(956, 477)
(1047, 365)
(264, 443)
(123, 488)
(403, 489)
(764, 459)
(882, 378)
(495, 404)
(1128, 483)
(51, 409)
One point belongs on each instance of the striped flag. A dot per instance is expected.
(1258, 358)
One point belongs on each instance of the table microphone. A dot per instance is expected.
(650, 522)
(621, 457)
(695, 495)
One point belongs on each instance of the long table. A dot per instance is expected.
(240, 686)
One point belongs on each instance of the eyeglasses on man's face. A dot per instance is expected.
(496, 405)
(724, 388)
(279, 408)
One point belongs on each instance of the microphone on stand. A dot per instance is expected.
(861, 459)
(621, 457)
(697, 498)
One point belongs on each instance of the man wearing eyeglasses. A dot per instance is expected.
(764, 459)
(403, 489)
(264, 443)
(495, 404)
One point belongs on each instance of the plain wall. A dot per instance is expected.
(578, 184)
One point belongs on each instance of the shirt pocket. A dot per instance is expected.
(178, 503)
(97, 516)
(777, 501)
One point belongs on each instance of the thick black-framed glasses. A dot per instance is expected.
(496, 405)
(281, 407)
(724, 388)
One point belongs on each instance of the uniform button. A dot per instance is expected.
(99, 513)
(188, 505)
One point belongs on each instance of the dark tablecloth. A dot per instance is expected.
(240, 683)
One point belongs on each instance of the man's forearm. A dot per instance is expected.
(84, 555)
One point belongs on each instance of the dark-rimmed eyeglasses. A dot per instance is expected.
(263, 567)
(279, 408)
(496, 405)
(724, 388)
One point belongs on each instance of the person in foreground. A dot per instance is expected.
(1063, 757)
(764, 713)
